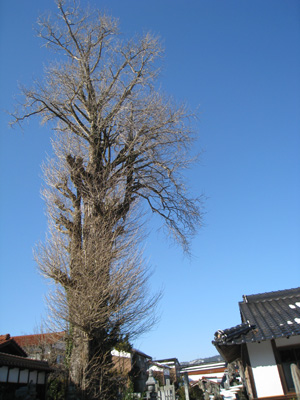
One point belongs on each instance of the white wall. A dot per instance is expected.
(215, 377)
(291, 341)
(41, 378)
(3, 374)
(117, 353)
(24, 376)
(33, 376)
(13, 375)
(264, 368)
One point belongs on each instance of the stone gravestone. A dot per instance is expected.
(151, 384)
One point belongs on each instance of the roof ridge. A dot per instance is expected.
(284, 293)
(41, 334)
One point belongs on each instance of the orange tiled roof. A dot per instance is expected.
(34, 340)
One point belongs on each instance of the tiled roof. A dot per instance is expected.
(9, 345)
(265, 316)
(38, 339)
(232, 334)
(22, 362)
(141, 353)
(159, 364)
(12, 355)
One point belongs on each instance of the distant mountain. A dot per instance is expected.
(202, 360)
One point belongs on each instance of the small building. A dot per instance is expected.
(160, 372)
(133, 364)
(18, 372)
(266, 344)
(174, 365)
(214, 371)
(140, 364)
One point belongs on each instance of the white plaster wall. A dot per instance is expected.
(117, 353)
(13, 375)
(264, 368)
(3, 374)
(291, 341)
(215, 377)
(41, 378)
(33, 376)
(195, 377)
(24, 376)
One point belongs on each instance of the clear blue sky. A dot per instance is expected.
(238, 62)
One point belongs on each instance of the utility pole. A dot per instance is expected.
(186, 386)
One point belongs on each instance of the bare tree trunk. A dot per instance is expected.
(79, 359)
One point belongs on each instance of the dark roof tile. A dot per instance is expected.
(267, 316)
(22, 362)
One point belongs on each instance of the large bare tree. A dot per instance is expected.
(119, 148)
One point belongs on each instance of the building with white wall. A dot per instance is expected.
(19, 372)
(266, 344)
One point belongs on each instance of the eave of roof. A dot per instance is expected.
(169, 361)
(205, 366)
(159, 365)
(141, 353)
(22, 362)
